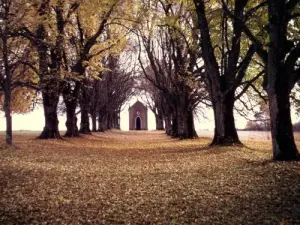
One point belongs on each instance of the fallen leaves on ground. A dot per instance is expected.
(144, 178)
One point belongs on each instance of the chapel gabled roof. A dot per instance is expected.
(137, 103)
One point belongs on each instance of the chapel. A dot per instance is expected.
(138, 116)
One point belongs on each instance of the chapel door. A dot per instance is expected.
(138, 124)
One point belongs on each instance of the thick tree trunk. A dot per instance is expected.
(168, 123)
(85, 122)
(225, 130)
(284, 147)
(116, 120)
(181, 121)
(50, 101)
(70, 99)
(174, 132)
(50, 80)
(191, 125)
(159, 121)
(102, 122)
(85, 109)
(279, 85)
(185, 118)
(71, 123)
(50, 91)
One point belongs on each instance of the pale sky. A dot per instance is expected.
(35, 120)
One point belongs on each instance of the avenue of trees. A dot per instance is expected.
(87, 58)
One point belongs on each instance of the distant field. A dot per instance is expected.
(144, 178)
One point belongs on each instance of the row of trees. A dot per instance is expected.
(280, 60)
(64, 50)
(215, 52)
(189, 53)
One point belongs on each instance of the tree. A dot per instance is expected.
(112, 91)
(281, 61)
(283, 73)
(6, 75)
(89, 42)
(168, 43)
(16, 68)
(226, 70)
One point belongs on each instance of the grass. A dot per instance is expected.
(144, 178)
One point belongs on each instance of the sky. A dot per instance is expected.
(35, 120)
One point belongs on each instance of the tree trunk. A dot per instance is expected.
(71, 123)
(70, 99)
(7, 90)
(109, 124)
(102, 122)
(8, 118)
(185, 118)
(191, 125)
(50, 101)
(284, 147)
(50, 80)
(50, 91)
(85, 122)
(181, 120)
(159, 121)
(174, 132)
(116, 119)
(85, 109)
(168, 124)
(279, 85)
(225, 130)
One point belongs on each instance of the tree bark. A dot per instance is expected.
(159, 121)
(174, 132)
(116, 119)
(158, 112)
(185, 119)
(225, 130)
(102, 122)
(8, 117)
(85, 109)
(279, 85)
(71, 123)
(50, 101)
(181, 117)
(168, 124)
(70, 99)
(284, 147)
(191, 125)
(7, 91)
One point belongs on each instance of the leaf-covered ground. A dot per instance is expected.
(144, 178)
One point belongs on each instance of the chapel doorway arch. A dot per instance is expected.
(138, 123)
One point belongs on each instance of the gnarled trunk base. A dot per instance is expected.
(225, 130)
(71, 123)
(50, 101)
